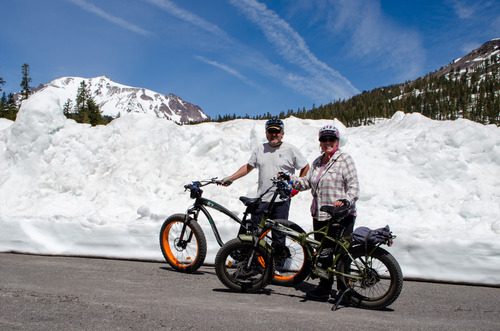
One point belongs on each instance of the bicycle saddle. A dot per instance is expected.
(249, 201)
(337, 213)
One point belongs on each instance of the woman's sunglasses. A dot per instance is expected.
(329, 139)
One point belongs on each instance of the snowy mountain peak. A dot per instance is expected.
(114, 98)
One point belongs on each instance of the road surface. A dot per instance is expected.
(71, 293)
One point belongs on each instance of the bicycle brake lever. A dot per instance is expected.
(218, 182)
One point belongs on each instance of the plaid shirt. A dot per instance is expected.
(338, 179)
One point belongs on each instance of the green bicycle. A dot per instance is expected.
(366, 273)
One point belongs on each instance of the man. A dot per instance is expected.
(270, 158)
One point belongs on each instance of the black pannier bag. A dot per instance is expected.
(364, 235)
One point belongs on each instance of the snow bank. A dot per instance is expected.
(69, 188)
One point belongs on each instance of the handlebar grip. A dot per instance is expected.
(284, 176)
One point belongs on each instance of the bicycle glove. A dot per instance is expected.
(227, 181)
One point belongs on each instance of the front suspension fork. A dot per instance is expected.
(255, 241)
(183, 243)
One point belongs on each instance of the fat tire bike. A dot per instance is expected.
(367, 275)
(184, 245)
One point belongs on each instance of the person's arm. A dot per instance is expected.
(302, 182)
(351, 180)
(243, 171)
(304, 171)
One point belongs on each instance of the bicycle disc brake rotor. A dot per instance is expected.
(372, 277)
(180, 245)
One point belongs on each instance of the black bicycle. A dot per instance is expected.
(366, 273)
(183, 242)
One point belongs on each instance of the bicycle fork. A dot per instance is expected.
(255, 241)
(183, 243)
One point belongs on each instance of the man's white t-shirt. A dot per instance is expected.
(270, 160)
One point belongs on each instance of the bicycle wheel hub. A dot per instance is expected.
(372, 278)
(180, 245)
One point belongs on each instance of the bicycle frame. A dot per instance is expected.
(313, 246)
(200, 204)
(370, 274)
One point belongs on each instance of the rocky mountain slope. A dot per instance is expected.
(468, 87)
(480, 58)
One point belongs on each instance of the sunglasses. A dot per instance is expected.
(329, 139)
(273, 131)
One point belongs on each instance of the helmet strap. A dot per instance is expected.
(334, 150)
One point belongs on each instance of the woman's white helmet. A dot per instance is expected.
(329, 130)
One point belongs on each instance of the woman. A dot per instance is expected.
(333, 177)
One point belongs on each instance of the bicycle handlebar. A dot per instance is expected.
(200, 183)
(283, 188)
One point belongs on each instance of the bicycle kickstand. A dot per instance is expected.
(339, 298)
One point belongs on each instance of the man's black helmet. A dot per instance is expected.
(275, 123)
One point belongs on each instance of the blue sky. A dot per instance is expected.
(241, 56)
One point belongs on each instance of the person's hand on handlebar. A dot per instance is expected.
(283, 176)
(226, 181)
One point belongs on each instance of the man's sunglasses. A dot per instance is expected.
(329, 139)
(273, 131)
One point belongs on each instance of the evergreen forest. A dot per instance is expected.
(471, 94)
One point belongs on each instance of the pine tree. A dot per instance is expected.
(11, 110)
(3, 105)
(81, 96)
(87, 111)
(25, 92)
(95, 117)
(67, 108)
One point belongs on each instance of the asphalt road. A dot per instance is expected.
(70, 293)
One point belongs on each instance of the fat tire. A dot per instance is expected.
(187, 259)
(297, 265)
(374, 292)
(230, 266)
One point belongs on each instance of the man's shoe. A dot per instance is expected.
(319, 293)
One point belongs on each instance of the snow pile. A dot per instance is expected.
(73, 189)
